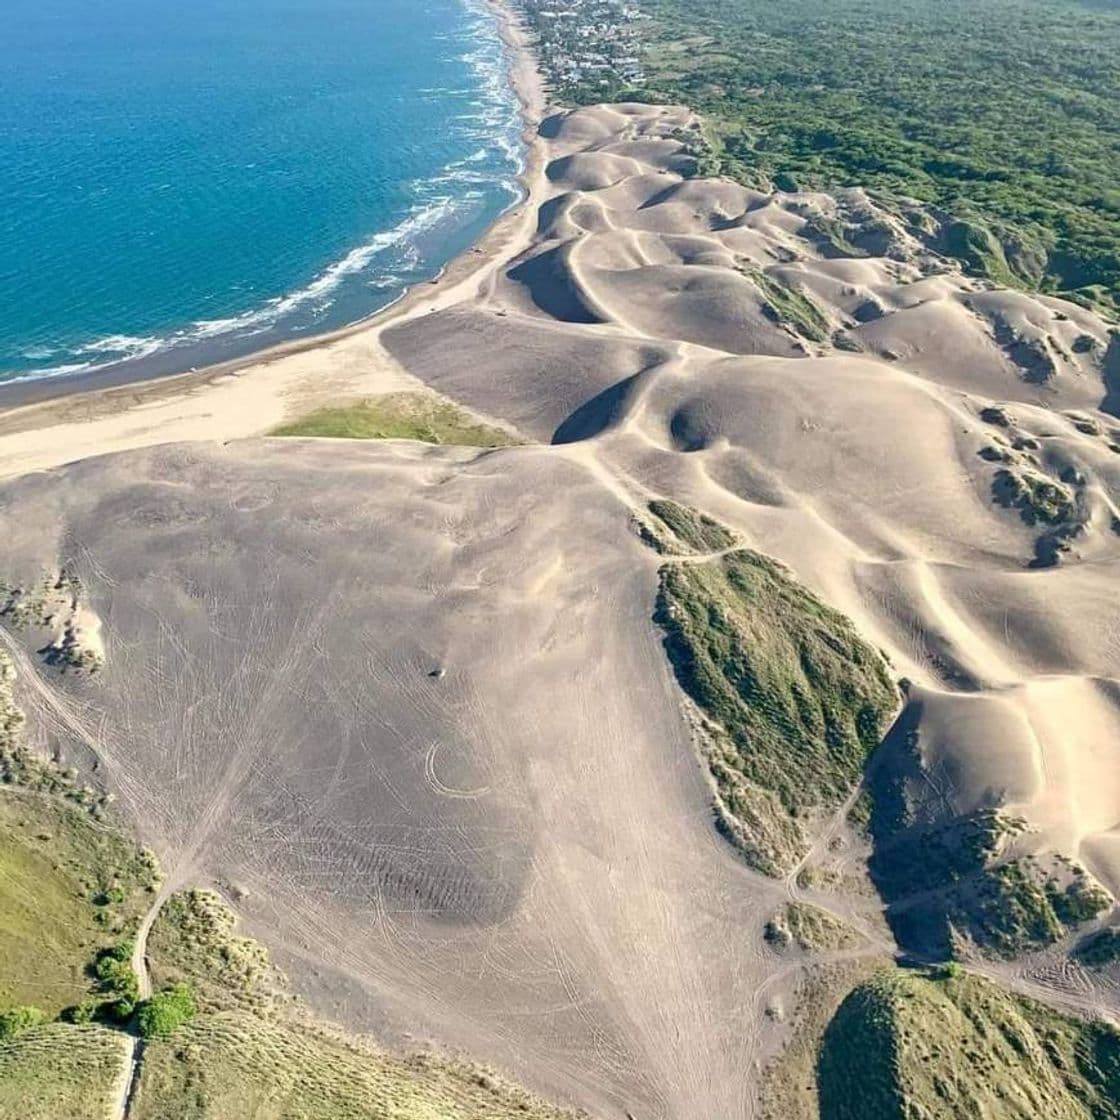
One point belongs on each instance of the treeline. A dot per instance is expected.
(1002, 116)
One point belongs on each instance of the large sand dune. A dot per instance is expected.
(409, 705)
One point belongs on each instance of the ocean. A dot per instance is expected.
(186, 183)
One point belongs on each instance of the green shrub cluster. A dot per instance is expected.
(16, 1020)
(944, 1044)
(165, 1012)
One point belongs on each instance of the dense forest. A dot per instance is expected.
(1003, 116)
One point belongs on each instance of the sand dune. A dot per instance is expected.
(936, 458)
(411, 701)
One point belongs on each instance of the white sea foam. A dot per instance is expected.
(493, 122)
(120, 347)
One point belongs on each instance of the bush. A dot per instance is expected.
(165, 1012)
(113, 971)
(84, 1012)
(20, 1019)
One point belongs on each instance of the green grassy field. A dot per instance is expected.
(908, 1044)
(61, 1072)
(415, 416)
(795, 699)
(69, 887)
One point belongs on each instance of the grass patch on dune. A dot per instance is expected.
(945, 1045)
(794, 700)
(250, 1051)
(691, 530)
(956, 885)
(59, 1070)
(414, 416)
(1100, 949)
(809, 928)
(230, 1065)
(791, 308)
(194, 941)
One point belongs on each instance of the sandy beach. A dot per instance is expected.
(48, 422)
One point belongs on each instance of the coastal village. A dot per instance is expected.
(590, 45)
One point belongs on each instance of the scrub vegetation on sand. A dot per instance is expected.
(251, 1052)
(791, 308)
(194, 941)
(947, 1044)
(689, 530)
(793, 700)
(955, 884)
(415, 416)
(809, 928)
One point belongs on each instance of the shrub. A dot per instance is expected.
(20, 1019)
(165, 1012)
(84, 1012)
(113, 971)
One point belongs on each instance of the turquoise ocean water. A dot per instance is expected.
(182, 183)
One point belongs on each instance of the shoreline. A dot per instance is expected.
(40, 403)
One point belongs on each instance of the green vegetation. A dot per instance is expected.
(165, 1012)
(788, 1088)
(54, 602)
(1099, 949)
(225, 1043)
(21, 767)
(791, 308)
(116, 985)
(942, 1046)
(1037, 498)
(59, 1071)
(809, 928)
(794, 699)
(70, 890)
(231, 1065)
(416, 416)
(950, 883)
(193, 941)
(694, 531)
(19, 1019)
(1000, 116)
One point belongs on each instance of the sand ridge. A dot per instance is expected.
(411, 702)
